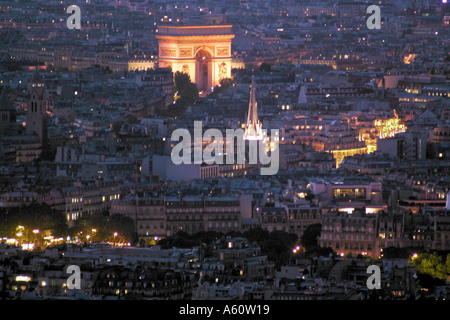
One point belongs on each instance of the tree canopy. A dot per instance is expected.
(187, 90)
(432, 264)
(224, 85)
(186, 93)
(310, 235)
(31, 217)
(105, 227)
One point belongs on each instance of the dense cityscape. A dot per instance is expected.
(352, 123)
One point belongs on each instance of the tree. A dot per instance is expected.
(257, 235)
(105, 227)
(124, 226)
(428, 281)
(431, 264)
(321, 252)
(11, 66)
(309, 196)
(396, 253)
(187, 93)
(447, 264)
(116, 126)
(223, 86)
(187, 90)
(310, 235)
(277, 245)
(31, 217)
(265, 67)
(132, 119)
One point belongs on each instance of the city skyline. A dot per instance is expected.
(136, 161)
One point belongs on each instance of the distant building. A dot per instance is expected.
(314, 11)
(300, 217)
(346, 195)
(165, 216)
(29, 146)
(148, 213)
(8, 117)
(167, 170)
(329, 136)
(194, 214)
(37, 109)
(8, 127)
(349, 233)
(274, 219)
(442, 134)
(163, 167)
(441, 219)
(405, 146)
(254, 266)
(203, 51)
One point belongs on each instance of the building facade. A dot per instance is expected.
(201, 51)
(165, 216)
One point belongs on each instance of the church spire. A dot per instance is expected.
(253, 128)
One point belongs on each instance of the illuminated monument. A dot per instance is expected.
(253, 128)
(202, 50)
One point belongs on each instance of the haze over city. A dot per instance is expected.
(224, 150)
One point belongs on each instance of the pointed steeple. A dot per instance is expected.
(253, 128)
(252, 116)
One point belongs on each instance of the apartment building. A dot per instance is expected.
(247, 259)
(148, 213)
(347, 194)
(300, 217)
(330, 136)
(165, 216)
(349, 233)
(74, 200)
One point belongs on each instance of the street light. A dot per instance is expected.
(115, 235)
(19, 234)
(36, 232)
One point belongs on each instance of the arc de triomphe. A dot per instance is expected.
(202, 51)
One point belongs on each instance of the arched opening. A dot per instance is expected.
(203, 66)
(204, 77)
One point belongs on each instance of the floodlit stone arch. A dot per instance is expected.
(204, 50)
